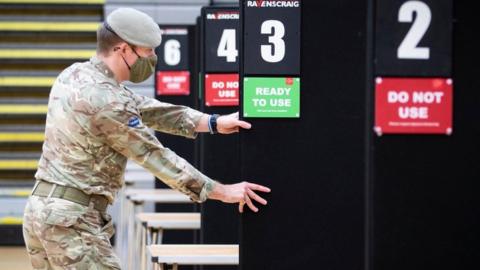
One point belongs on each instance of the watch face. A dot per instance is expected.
(212, 123)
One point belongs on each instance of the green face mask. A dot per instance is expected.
(142, 68)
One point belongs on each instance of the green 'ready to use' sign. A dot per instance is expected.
(270, 97)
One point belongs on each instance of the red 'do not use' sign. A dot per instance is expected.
(221, 89)
(173, 82)
(413, 105)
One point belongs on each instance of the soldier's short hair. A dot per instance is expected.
(106, 39)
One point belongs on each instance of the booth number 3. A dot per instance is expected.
(273, 52)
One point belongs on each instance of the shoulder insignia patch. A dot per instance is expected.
(133, 122)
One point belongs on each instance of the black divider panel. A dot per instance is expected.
(185, 148)
(220, 161)
(315, 164)
(220, 221)
(426, 202)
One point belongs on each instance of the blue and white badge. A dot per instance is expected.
(133, 122)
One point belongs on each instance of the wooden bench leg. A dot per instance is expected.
(154, 236)
(130, 228)
(120, 228)
(136, 207)
(160, 266)
(148, 240)
(138, 244)
(149, 236)
(143, 248)
(157, 236)
(124, 214)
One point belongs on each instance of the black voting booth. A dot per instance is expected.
(173, 84)
(345, 196)
(423, 188)
(314, 163)
(218, 75)
(204, 53)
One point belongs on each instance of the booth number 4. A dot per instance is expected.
(273, 52)
(227, 46)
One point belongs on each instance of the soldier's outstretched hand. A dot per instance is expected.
(228, 124)
(241, 193)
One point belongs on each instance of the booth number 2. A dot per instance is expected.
(409, 49)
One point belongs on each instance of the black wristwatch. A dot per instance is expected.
(212, 123)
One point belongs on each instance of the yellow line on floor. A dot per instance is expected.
(18, 193)
(22, 193)
(50, 26)
(18, 164)
(11, 221)
(45, 54)
(15, 192)
(27, 81)
(22, 137)
(76, 2)
(23, 109)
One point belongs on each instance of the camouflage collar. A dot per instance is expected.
(102, 67)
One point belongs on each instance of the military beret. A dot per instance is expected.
(135, 27)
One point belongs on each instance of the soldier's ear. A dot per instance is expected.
(120, 47)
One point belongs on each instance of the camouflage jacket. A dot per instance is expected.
(94, 124)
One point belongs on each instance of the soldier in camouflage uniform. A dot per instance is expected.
(94, 124)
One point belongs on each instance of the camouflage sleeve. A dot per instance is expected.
(169, 118)
(123, 130)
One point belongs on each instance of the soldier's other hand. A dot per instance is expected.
(228, 124)
(241, 193)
